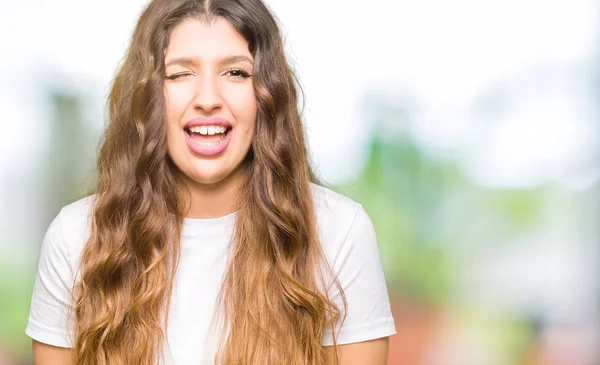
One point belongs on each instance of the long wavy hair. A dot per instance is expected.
(274, 298)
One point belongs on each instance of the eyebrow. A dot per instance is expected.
(227, 60)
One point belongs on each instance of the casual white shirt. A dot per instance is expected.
(345, 232)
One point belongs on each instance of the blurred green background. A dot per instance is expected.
(470, 135)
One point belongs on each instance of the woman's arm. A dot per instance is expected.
(44, 354)
(373, 352)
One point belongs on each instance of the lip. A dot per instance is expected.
(208, 121)
(212, 150)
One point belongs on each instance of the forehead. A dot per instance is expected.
(197, 39)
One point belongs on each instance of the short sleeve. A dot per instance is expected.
(51, 299)
(360, 273)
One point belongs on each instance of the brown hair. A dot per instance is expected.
(274, 298)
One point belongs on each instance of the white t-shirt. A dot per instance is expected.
(346, 234)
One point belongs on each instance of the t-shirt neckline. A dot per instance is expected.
(208, 226)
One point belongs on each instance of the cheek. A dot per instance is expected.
(175, 104)
(244, 107)
(177, 98)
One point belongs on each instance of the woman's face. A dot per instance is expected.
(210, 102)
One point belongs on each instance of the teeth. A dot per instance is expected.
(208, 130)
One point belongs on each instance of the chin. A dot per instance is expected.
(206, 178)
(208, 173)
(212, 177)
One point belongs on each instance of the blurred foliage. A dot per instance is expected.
(71, 158)
(16, 284)
(402, 190)
(425, 210)
(66, 177)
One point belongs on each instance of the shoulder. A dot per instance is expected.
(59, 257)
(333, 205)
(339, 218)
(75, 217)
(78, 211)
(73, 225)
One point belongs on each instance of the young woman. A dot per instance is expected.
(208, 240)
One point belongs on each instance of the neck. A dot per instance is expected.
(213, 200)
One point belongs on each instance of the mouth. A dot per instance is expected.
(207, 135)
(208, 139)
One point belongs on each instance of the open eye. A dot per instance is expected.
(238, 73)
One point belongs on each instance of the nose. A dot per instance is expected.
(207, 95)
